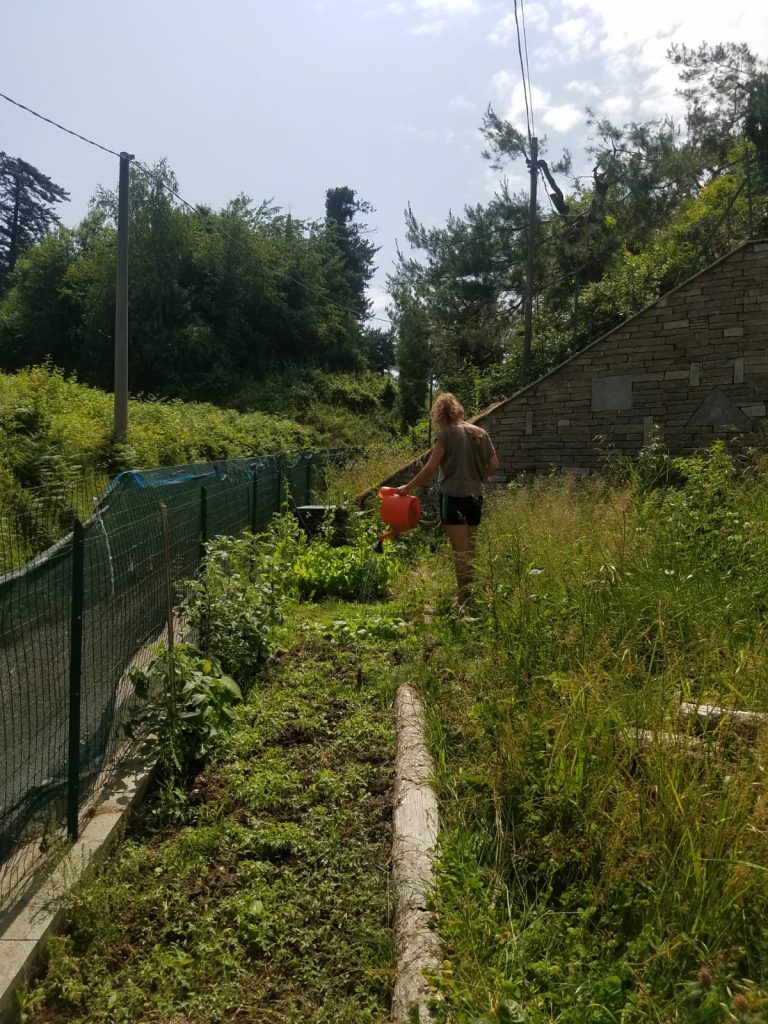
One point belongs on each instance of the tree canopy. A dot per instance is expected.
(27, 200)
(216, 297)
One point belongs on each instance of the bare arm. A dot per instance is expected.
(493, 466)
(429, 467)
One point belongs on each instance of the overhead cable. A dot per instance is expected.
(61, 127)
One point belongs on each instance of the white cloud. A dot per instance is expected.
(562, 118)
(446, 8)
(585, 88)
(437, 13)
(447, 136)
(429, 28)
(616, 106)
(577, 36)
(504, 31)
(619, 52)
(461, 103)
(380, 299)
(536, 16)
(508, 90)
(633, 40)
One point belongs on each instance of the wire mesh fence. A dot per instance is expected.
(77, 616)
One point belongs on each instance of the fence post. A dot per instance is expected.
(308, 496)
(203, 523)
(254, 499)
(279, 500)
(75, 676)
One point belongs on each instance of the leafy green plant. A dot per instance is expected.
(187, 704)
(353, 573)
(238, 603)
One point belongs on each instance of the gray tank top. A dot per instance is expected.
(467, 454)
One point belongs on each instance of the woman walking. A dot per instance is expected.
(465, 458)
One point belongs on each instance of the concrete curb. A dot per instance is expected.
(23, 942)
(415, 831)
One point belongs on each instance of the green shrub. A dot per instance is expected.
(187, 704)
(238, 603)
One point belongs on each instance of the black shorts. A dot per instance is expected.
(460, 511)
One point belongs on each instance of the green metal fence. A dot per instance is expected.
(77, 616)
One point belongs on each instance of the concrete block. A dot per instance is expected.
(647, 428)
(17, 957)
(717, 410)
(733, 332)
(738, 370)
(694, 377)
(677, 374)
(754, 411)
(611, 393)
(563, 423)
(676, 325)
(529, 422)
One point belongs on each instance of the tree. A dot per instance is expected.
(379, 348)
(27, 197)
(217, 297)
(413, 360)
(718, 85)
(356, 251)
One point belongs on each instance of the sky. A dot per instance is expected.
(283, 99)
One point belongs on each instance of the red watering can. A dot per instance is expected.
(400, 511)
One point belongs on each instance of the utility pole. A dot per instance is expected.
(528, 313)
(121, 305)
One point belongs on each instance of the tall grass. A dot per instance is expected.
(585, 877)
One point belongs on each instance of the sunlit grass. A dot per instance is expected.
(585, 877)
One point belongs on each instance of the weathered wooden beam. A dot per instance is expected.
(708, 718)
(644, 739)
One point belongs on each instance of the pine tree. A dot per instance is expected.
(27, 197)
(355, 251)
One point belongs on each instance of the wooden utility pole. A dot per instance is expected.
(121, 305)
(528, 313)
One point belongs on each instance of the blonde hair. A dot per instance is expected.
(447, 411)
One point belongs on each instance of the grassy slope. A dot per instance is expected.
(57, 449)
(162, 433)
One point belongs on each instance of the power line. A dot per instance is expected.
(61, 127)
(522, 73)
(527, 68)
